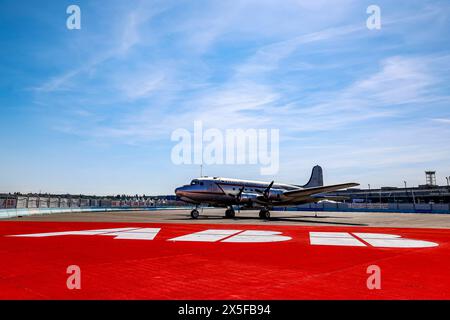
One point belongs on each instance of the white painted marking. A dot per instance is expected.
(210, 235)
(137, 234)
(74, 233)
(379, 240)
(334, 239)
(382, 240)
(258, 236)
(119, 233)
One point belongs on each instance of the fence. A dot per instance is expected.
(33, 202)
(23, 202)
(374, 207)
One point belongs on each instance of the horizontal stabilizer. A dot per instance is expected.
(310, 191)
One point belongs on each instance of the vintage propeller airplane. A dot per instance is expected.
(225, 192)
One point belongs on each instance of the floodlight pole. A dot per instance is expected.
(406, 190)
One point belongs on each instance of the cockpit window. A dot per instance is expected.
(195, 182)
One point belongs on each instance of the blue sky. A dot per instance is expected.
(92, 110)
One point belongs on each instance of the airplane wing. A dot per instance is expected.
(332, 198)
(291, 195)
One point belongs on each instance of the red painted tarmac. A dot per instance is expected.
(35, 267)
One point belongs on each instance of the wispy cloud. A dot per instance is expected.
(342, 95)
(129, 36)
(444, 121)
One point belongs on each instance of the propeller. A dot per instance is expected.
(267, 191)
(239, 195)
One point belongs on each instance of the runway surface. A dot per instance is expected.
(216, 216)
(215, 258)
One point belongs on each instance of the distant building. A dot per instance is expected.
(429, 192)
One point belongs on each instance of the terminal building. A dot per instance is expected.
(428, 193)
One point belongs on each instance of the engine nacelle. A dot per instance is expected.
(275, 194)
(248, 197)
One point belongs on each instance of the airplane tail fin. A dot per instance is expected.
(316, 179)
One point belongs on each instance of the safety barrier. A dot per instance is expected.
(376, 207)
(14, 213)
(32, 201)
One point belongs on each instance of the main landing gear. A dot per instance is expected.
(195, 213)
(264, 213)
(229, 213)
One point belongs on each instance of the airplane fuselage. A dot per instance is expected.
(227, 192)
(223, 191)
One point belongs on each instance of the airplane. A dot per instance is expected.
(226, 192)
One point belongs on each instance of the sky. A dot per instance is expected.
(92, 110)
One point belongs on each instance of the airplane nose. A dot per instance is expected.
(181, 191)
(178, 191)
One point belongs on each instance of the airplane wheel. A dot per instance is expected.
(264, 214)
(229, 213)
(195, 214)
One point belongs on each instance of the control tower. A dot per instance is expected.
(430, 178)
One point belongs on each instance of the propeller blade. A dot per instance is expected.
(266, 192)
(239, 195)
